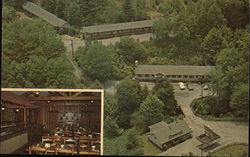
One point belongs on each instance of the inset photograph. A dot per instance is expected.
(51, 121)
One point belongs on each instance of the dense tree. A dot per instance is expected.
(111, 129)
(96, 61)
(30, 38)
(128, 100)
(164, 91)
(8, 13)
(16, 4)
(111, 108)
(152, 110)
(235, 12)
(96, 85)
(133, 142)
(139, 122)
(101, 62)
(131, 50)
(34, 56)
(216, 40)
(128, 11)
(172, 7)
(209, 15)
(239, 101)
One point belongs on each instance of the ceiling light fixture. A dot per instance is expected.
(3, 108)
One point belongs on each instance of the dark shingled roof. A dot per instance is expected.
(166, 132)
(173, 69)
(43, 14)
(119, 26)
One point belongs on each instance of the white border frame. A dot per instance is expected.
(69, 90)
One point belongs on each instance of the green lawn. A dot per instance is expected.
(232, 150)
(149, 148)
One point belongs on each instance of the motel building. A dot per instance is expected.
(118, 29)
(165, 135)
(174, 73)
(34, 10)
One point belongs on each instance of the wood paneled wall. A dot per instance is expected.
(49, 115)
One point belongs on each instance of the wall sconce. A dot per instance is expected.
(92, 101)
(17, 110)
(37, 93)
(48, 101)
(3, 107)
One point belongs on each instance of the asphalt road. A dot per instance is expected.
(230, 132)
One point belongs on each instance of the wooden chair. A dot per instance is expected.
(85, 137)
(70, 142)
(58, 141)
(61, 151)
(96, 135)
(37, 150)
(84, 142)
(96, 143)
(89, 153)
(47, 140)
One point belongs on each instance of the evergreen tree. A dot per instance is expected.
(128, 11)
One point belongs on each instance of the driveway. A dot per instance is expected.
(230, 132)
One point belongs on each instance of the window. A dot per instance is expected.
(146, 75)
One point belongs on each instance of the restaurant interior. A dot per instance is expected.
(50, 121)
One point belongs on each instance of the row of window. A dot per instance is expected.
(172, 76)
(120, 31)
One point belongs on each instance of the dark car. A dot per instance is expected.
(189, 87)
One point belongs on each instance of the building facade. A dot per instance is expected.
(176, 73)
(118, 29)
(165, 135)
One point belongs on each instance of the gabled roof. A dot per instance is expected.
(173, 69)
(166, 132)
(43, 14)
(119, 26)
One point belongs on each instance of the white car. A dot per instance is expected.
(181, 85)
(205, 87)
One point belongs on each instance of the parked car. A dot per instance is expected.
(189, 87)
(205, 87)
(181, 85)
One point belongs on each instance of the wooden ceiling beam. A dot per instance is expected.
(62, 94)
(26, 94)
(52, 98)
(9, 105)
(67, 103)
(15, 99)
(76, 94)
